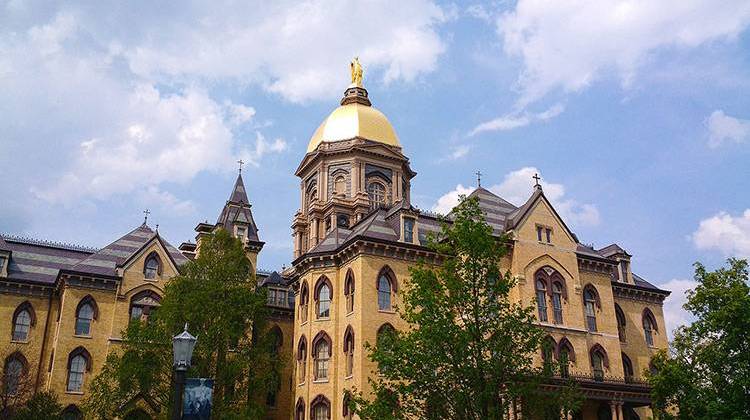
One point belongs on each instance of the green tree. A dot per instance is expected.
(216, 294)
(707, 373)
(42, 405)
(468, 351)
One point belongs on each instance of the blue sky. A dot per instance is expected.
(635, 113)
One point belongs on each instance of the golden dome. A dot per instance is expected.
(354, 120)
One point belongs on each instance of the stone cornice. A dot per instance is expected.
(23, 288)
(638, 293)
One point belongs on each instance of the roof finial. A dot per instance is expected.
(157, 228)
(240, 162)
(479, 178)
(536, 179)
(145, 218)
(356, 71)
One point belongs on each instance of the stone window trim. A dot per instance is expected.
(388, 272)
(597, 299)
(91, 301)
(550, 276)
(17, 355)
(320, 399)
(621, 323)
(567, 345)
(648, 315)
(80, 351)
(322, 335)
(323, 281)
(598, 349)
(29, 308)
(349, 350)
(153, 256)
(349, 288)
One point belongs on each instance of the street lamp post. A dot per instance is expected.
(182, 346)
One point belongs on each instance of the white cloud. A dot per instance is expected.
(674, 315)
(167, 203)
(567, 45)
(725, 129)
(449, 200)
(516, 188)
(517, 120)
(262, 147)
(726, 233)
(299, 50)
(455, 153)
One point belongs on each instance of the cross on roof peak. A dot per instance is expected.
(536, 180)
(145, 218)
(479, 178)
(241, 162)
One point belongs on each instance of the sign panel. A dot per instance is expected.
(197, 399)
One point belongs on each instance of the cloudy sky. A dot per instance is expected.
(635, 113)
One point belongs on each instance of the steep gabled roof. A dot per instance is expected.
(106, 261)
(612, 249)
(496, 210)
(238, 210)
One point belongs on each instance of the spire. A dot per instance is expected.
(238, 192)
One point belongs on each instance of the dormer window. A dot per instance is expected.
(2, 265)
(544, 234)
(624, 271)
(152, 266)
(408, 230)
(241, 234)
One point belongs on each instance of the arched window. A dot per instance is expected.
(649, 326)
(72, 412)
(152, 266)
(339, 184)
(14, 373)
(548, 351)
(143, 304)
(384, 291)
(557, 302)
(385, 335)
(312, 195)
(276, 340)
(304, 296)
(79, 362)
(323, 298)
(349, 350)
(299, 410)
(320, 409)
(620, 315)
(85, 313)
(349, 291)
(627, 368)
(565, 356)
(322, 356)
(598, 362)
(376, 193)
(590, 302)
(346, 412)
(302, 359)
(541, 300)
(23, 319)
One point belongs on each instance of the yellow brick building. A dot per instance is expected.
(356, 234)
(64, 307)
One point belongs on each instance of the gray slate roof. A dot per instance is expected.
(34, 261)
(105, 261)
(237, 210)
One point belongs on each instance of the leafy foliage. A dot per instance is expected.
(468, 353)
(42, 405)
(216, 295)
(707, 375)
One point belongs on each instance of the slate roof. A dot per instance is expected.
(34, 261)
(237, 210)
(496, 210)
(105, 261)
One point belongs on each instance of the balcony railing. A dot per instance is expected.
(601, 377)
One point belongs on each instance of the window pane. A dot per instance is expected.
(75, 375)
(13, 372)
(324, 302)
(21, 327)
(408, 230)
(83, 321)
(384, 294)
(542, 305)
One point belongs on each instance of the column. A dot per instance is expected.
(613, 410)
(620, 410)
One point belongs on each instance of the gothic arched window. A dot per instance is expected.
(541, 300)
(620, 316)
(320, 409)
(649, 326)
(323, 298)
(23, 319)
(13, 374)
(322, 356)
(557, 302)
(85, 314)
(598, 362)
(349, 350)
(79, 362)
(590, 302)
(565, 356)
(299, 411)
(72, 412)
(143, 305)
(304, 296)
(302, 359)
(384, 291)
(349, 291)
(152, 266)
(627, 368)
(376, 193)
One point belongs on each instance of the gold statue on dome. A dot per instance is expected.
(357, 72)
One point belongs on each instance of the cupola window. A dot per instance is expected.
(376, 193)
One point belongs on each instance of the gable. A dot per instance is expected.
(541, 213)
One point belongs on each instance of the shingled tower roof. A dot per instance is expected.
(237, 210)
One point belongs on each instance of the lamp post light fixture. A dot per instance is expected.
(182, 347)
